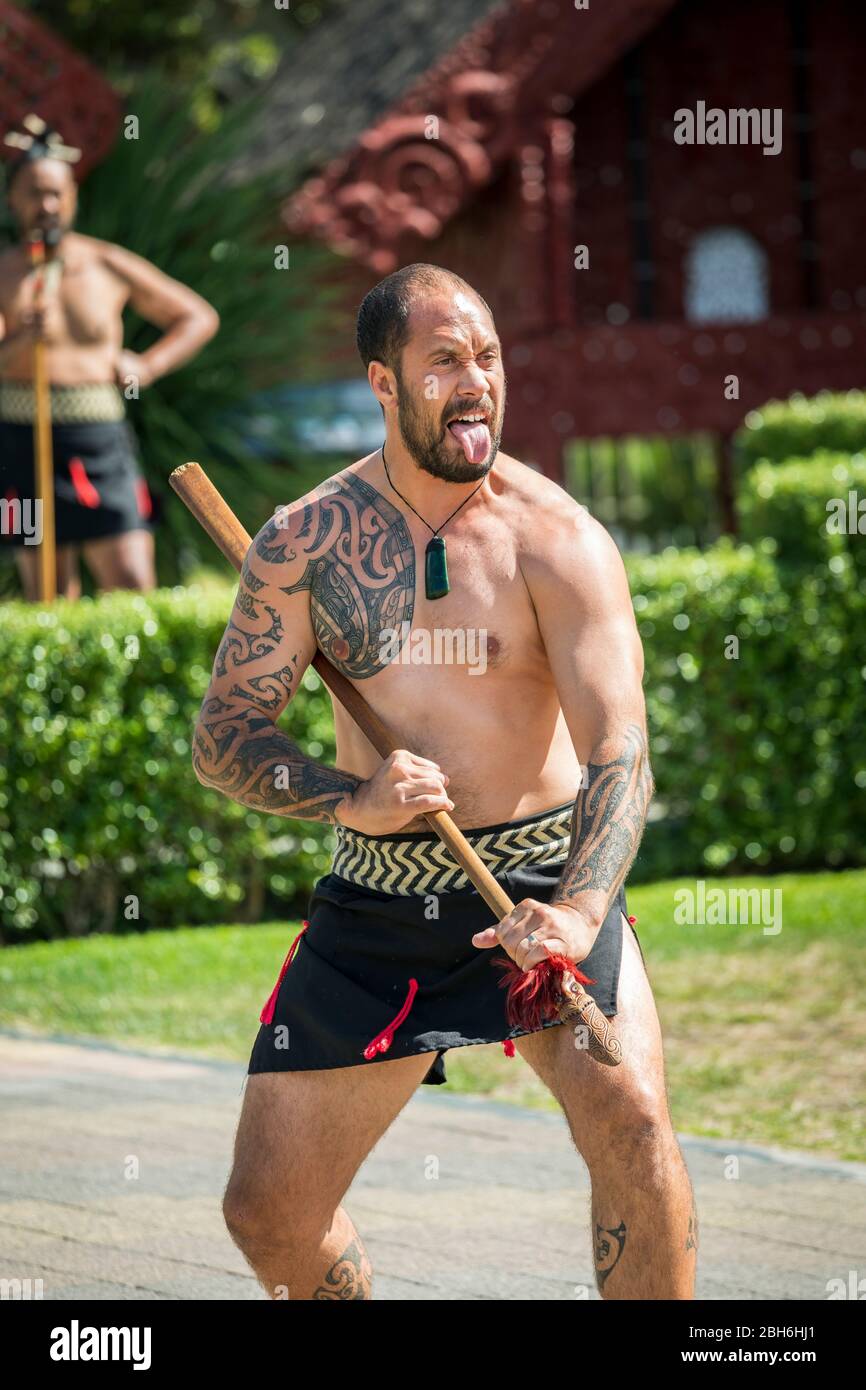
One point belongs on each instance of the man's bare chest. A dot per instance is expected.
(83, 302)
(365, 573)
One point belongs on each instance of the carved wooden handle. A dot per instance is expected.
(43, 449)
(575, 1006)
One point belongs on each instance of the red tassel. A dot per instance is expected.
(383, 1040)
(11, 496)
(84, 489)
(267, 1013)
(508, 1047)
(533, 994)
(632, 920)
(145, 504)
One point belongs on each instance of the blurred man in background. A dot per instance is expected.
(103, 507)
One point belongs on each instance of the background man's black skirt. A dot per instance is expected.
(99, 488)
(350, 975)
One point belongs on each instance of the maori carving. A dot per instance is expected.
(41, 73)
(410, 173)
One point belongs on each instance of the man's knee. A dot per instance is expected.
(122, 562)
(248, 1211)
(130, 567)
(639, 1124)
(257, 1215)
(129, 577)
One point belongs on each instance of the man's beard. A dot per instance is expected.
(426, 441)
(52, 232)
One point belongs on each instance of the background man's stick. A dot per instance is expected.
(569, 998)
(42, 444)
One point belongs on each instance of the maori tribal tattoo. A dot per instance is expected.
(360, 572)
(609, 1245)
(351, 550)
(608, 821)
(350, 1277)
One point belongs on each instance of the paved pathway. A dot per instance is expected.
(489, 1226)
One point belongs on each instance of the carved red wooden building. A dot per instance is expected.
(714, 275)
(40, 73)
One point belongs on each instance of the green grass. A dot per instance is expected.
(764, 1034)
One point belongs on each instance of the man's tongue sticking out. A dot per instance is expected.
(475, 439)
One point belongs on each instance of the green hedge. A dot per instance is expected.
(783, 430)
(759, 758)
(789, 502)
(98, 798)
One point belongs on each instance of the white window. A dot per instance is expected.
(726, 277)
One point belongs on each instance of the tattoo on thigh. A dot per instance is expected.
(349, 1277)
(609, 1245)
(692, 1237)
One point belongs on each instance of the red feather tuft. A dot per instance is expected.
(533, 994)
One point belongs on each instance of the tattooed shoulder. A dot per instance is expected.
(351, 550)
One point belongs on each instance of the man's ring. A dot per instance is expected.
(530, 940)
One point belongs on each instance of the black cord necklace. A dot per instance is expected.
(436, 583)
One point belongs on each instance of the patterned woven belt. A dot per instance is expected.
(406, 867)
(70, 405)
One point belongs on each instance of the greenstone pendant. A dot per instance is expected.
(436, 569)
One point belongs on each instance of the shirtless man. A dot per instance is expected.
(541, 757)
(102, 503)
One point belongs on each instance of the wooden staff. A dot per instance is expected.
(43, 452)
(573, 1004)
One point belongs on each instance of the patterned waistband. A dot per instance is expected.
(70, 405)
(407, 865)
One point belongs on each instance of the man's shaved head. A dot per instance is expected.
(434, 363)
(383, 318)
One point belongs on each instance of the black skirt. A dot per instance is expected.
(348, 976)
(99, 489)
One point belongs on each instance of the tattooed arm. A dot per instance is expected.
(585, 615)
(267, 645)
